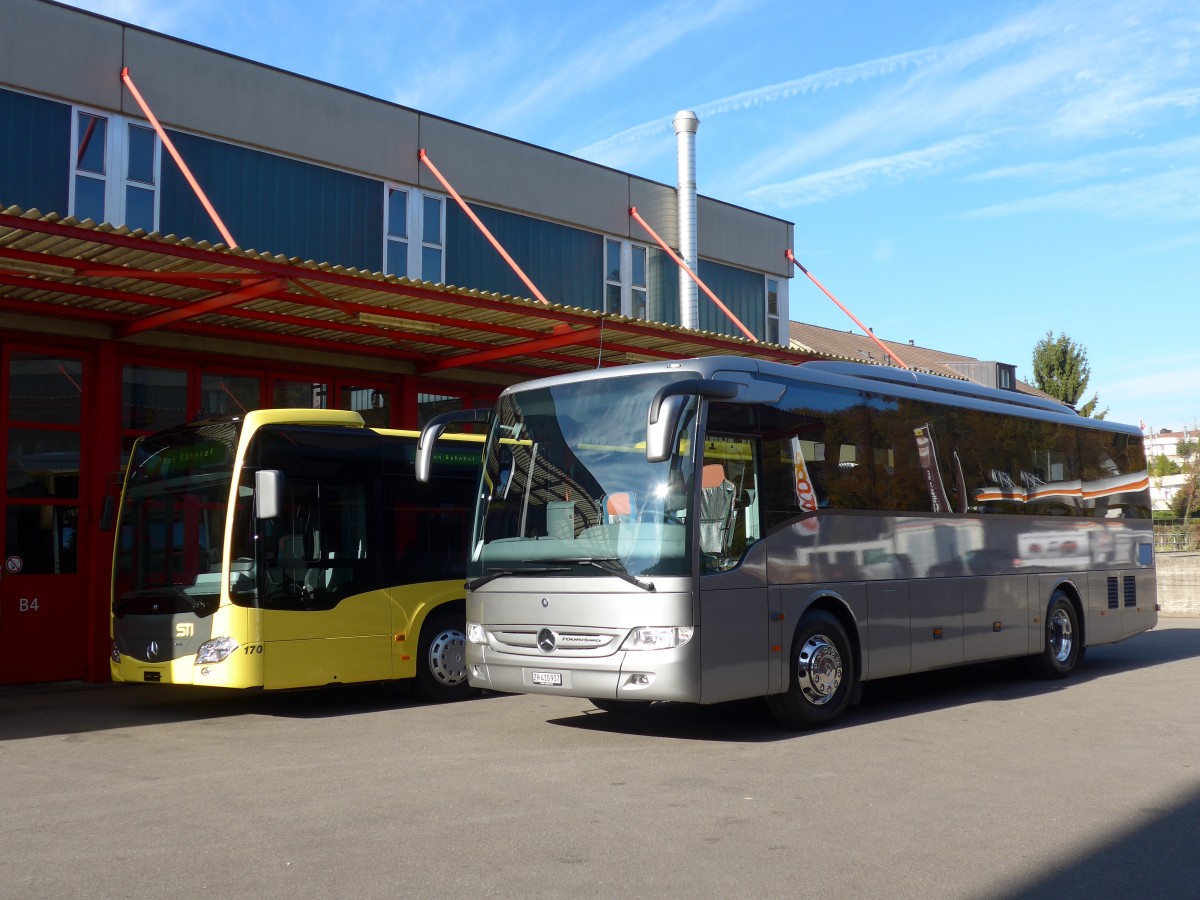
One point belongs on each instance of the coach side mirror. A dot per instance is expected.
(666, 407)
(433, 430)
(268, 488)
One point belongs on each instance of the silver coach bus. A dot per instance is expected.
(722, 528)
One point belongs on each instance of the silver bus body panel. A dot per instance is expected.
(917, 592)
(514, 609)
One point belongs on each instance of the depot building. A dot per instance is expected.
(185, 234)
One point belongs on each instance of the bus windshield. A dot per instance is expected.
(173, 519)
(566, 487)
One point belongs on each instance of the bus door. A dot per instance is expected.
(43, 607)
(323, 620)
(733, 614)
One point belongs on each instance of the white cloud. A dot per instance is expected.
(858, 176)
(1098, 164)
(1172, 195)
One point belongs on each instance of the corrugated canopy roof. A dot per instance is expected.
(133, 282)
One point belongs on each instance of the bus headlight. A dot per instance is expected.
(475, 633)
(653, 638)
(216, 650)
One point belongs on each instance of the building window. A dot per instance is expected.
(372, 403)
(300, 395)
(91, 167)
(613, 283)
(1005, 379)
(141, 177)
(430, 405)
(409, 213)
(638, 282)
(772, 335)
(396, 250)
(229, 395)
(432, 229)
(625, 276)
(130, 196)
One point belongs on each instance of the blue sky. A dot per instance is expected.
(965, 175)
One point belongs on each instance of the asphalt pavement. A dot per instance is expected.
(966, 783)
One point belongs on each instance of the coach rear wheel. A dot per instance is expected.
(822, 674)
(1064, 641)
(442, 658)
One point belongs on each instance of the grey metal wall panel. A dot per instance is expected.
(35, 152)
(656, 203)
(743, 238)
(252, 104)
(275, 204)
(60, 52)
(501, 172)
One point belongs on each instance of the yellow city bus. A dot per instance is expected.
(292, 548)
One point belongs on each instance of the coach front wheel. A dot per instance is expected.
(821, 678)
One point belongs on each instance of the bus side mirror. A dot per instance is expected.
(662, 419)
(433, 430)
(268, 488)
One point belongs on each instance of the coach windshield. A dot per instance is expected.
(567, 487)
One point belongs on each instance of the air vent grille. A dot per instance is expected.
(1113, 600)
(1130, 591)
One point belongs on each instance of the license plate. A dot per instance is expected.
(554, 678)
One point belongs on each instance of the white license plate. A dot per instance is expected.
(554, 678)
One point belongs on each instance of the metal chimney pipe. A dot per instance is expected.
(686, 123)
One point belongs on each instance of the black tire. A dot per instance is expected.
(822, 675)
(1064, 648)
(442, 658)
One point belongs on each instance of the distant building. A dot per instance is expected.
(860, 347)
(1163, 488)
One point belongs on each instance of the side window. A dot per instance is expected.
(985, 449)
(907, 477)
(730, 511)
(1113, 468)
(816, 453)
(429, 522)
(1050, 469)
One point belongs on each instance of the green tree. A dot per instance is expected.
(1163, 465)
(1060, 368)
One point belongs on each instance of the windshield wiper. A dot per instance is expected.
(612, 566)
(500, 572)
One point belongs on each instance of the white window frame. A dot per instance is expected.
(626, 275)
(116, 164)
(415, 231)
(780, 317)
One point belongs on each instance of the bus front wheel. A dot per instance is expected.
(1064, 641)
(821, 677)
(442, 658)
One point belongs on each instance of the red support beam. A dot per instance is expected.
(187, 173)
(200, 307)
(527, 348)
(696, 278)
(867, 331)
(470, 213)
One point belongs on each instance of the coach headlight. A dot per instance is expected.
(657, 638)
(475, 633)
(216, 650)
